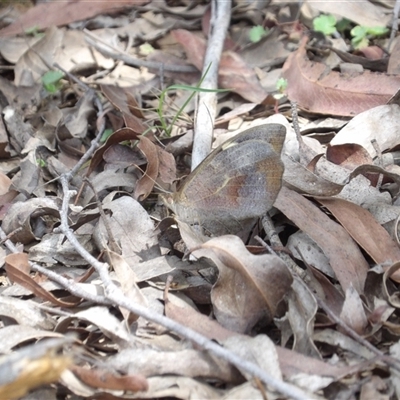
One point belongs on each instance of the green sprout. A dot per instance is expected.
(34, 31)
(325, 24)
(257, 33)
(194, 89)
(281, 85)
(328, 25)
(41, 163)
(106, 134)
(362, 34)
(52, 81)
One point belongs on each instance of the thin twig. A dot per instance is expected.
(207, 101)
(117, 54)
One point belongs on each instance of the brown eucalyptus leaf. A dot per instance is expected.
(146, 182)
(249, 287)
(104, 379)
(364, 229)
(117, 137)
(344, 255)
(17, 268)
(353, 313)
(332, 93)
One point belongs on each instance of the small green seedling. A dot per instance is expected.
(257, 33)
(281, 85)
(106, 134)
(52, 81)
(362, 34)
(34, 31)
(328, 25)
(41, 163)
(325, 24)
(146, 49)
(194, 89)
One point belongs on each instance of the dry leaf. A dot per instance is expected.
(249, 287)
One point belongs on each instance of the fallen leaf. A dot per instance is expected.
(249, 287)
(322, 92)
(345, 257)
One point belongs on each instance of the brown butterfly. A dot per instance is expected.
(238, 182)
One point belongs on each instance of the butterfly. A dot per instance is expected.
(236, 183)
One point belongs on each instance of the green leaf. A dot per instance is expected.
(106, 134)
(325, 24)
(360, 42)
(377, 30)
(281, 85)
(146, 49)
(51, 81)
(256, 33)
(41, 163)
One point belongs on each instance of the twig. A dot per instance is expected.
(117, 54)
(395, 25)
(207, 101)
(354, 335)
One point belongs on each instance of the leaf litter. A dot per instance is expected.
(101, 298)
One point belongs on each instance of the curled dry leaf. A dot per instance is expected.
(17, 268)
(353, 313)
(146, 182)
(333, 93)
(25, 312)
(123, 100)
(392, 298)
(26, 215)
(380, 123)
(117, 137)
(15, 335)
(249, 287)
(301, 313)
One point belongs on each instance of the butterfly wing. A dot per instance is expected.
(238, 181)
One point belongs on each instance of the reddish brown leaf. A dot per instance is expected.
(344, 255)
(234, 73)
(333, 93)
(364, 229)
(199, 322)
(17, 267)
(116, 137)
(57, 13)
(125, 102)
(349, 155)
(104, 379)
(146, 182)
